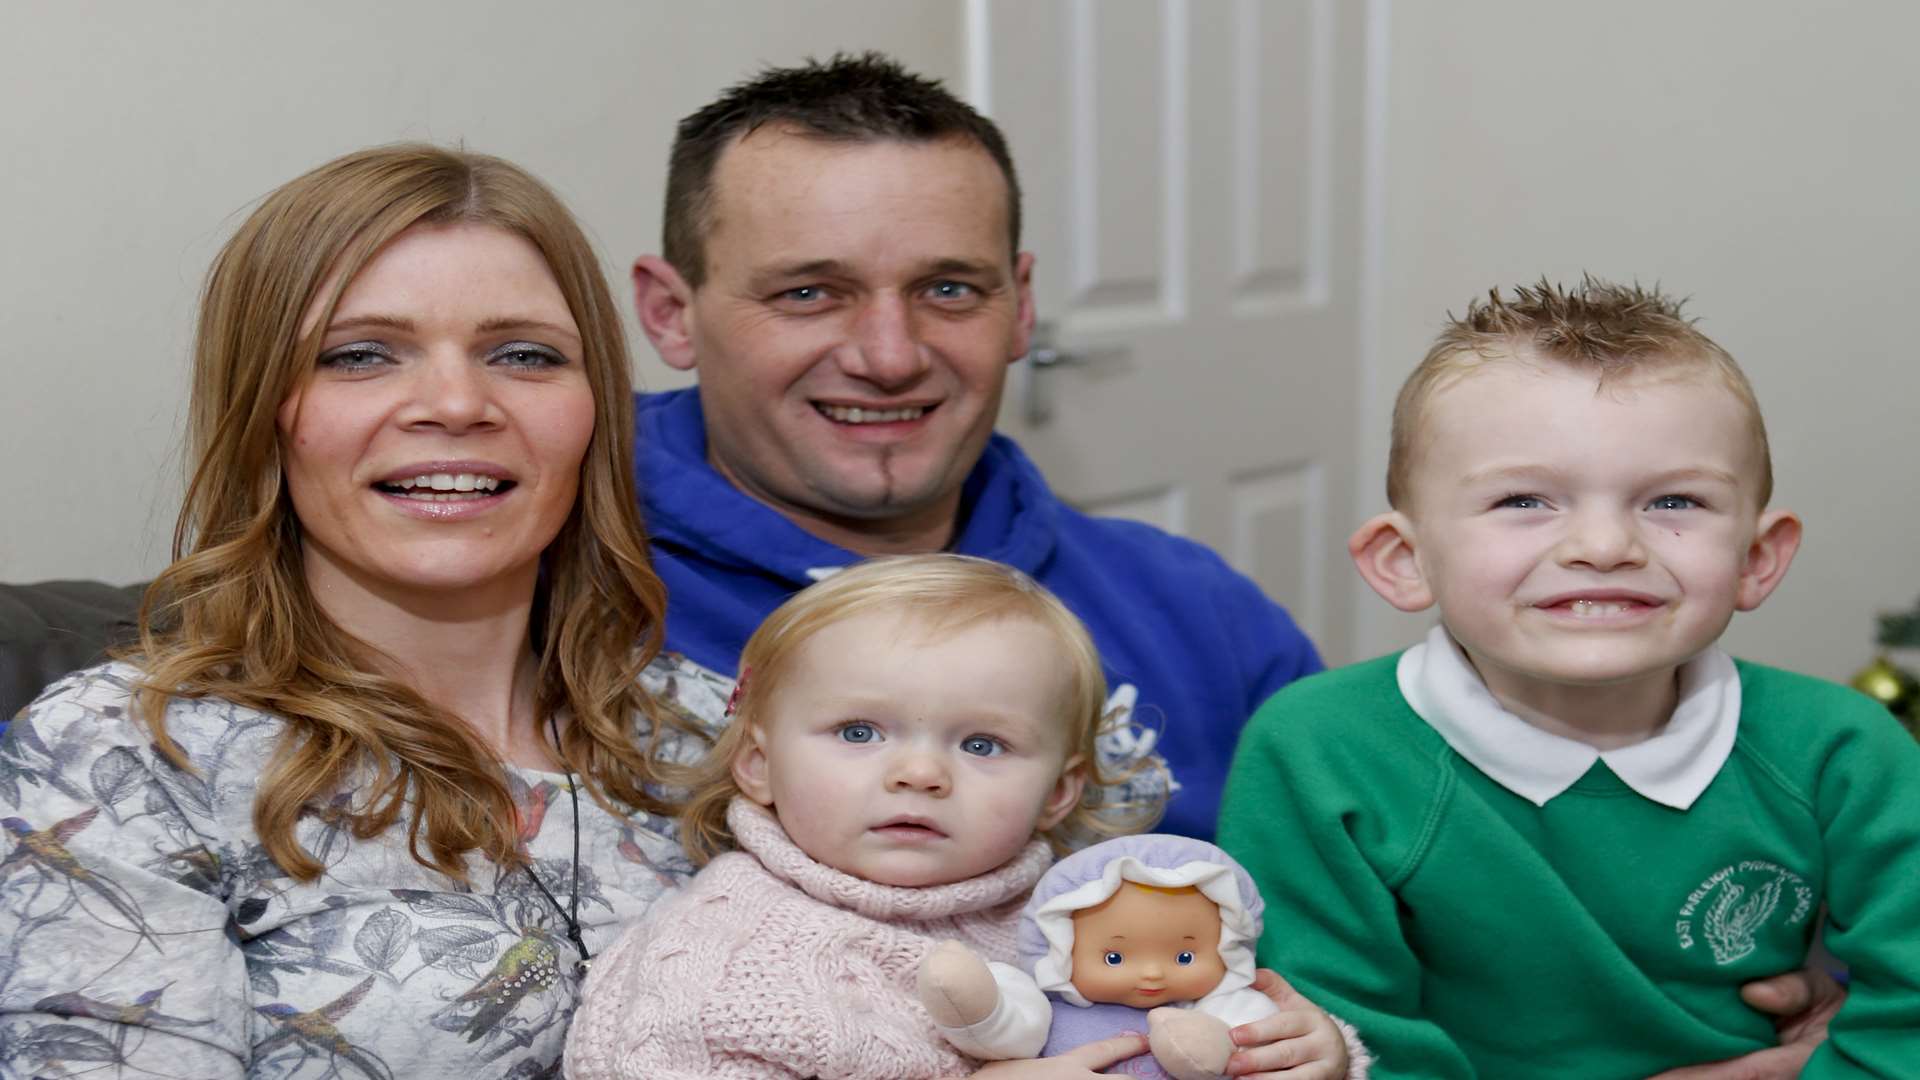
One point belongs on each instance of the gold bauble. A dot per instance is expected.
(1891, 686)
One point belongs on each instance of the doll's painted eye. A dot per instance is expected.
(1114, 959)
(1184, 959)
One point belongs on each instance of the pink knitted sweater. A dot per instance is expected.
(770, 965)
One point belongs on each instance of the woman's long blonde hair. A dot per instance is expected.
(941, 592)
(232, 616)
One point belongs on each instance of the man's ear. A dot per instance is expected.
(1065, 794)
(665, 306)
(1383, 551)
(1023, 291)
(1774, 543)
(750, 768)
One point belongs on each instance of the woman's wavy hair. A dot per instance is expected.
(941, 593)
(232, 616)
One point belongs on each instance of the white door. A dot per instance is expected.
(1192, 176)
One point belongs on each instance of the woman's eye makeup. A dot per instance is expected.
(357, 356)
(529, 355)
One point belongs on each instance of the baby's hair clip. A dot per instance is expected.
(740, 687)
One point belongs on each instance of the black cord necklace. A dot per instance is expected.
(571, 913)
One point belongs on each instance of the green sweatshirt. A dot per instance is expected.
(1469, 933)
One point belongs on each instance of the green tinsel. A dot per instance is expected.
(1900, 629)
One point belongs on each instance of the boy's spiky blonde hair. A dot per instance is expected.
(940, 593)
(1616, 331)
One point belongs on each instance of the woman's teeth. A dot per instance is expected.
(853, 414)
(444, 487)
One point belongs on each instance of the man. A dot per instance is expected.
(842, 268)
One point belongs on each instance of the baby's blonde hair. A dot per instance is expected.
(940, 592)
(1615, 331)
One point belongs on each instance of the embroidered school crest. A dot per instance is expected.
(1730, 909)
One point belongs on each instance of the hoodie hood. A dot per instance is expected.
(1010, 515)
(1089, 877)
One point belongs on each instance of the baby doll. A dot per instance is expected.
(1152, 933)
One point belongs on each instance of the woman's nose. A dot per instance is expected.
(451, 392)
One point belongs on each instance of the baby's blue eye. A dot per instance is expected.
(981, 745)
(1183, 959)
(858, 733)
(1114, 959)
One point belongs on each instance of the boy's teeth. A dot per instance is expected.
(854, 414)
(1597, 608)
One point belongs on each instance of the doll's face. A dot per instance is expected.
(1147, 947)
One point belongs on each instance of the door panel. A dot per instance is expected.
(1192, 177)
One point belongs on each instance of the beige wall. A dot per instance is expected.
(138, 134)
(1759, 157)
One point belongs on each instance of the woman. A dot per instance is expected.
(374, 785)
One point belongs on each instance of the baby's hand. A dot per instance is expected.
(955, 986)
(1301, 1039)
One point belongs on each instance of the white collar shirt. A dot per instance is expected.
(1672, 768)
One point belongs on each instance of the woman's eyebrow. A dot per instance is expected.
(523, 322)
(371, 322)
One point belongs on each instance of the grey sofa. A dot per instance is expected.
(53, 627)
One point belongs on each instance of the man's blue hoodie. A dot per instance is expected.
(1198, 643)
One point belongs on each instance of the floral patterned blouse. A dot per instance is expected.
(145, 932)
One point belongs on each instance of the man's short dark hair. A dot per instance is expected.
(863, 98)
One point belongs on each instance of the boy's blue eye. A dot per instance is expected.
(981, 745)
(1114, 959)
(1183, 959)
(1522, 502)
(1673, 502)
(858, 733)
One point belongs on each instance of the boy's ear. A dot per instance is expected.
(664, 302)
(1065, 794)
(1774, 543)
(750, 769)
(1383, 552)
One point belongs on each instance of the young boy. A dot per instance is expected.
(1554, 838)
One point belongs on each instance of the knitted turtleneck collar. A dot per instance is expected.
(759, 834)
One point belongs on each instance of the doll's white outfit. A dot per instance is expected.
(1040, 1013)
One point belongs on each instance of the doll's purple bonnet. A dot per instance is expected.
(1089, 877)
